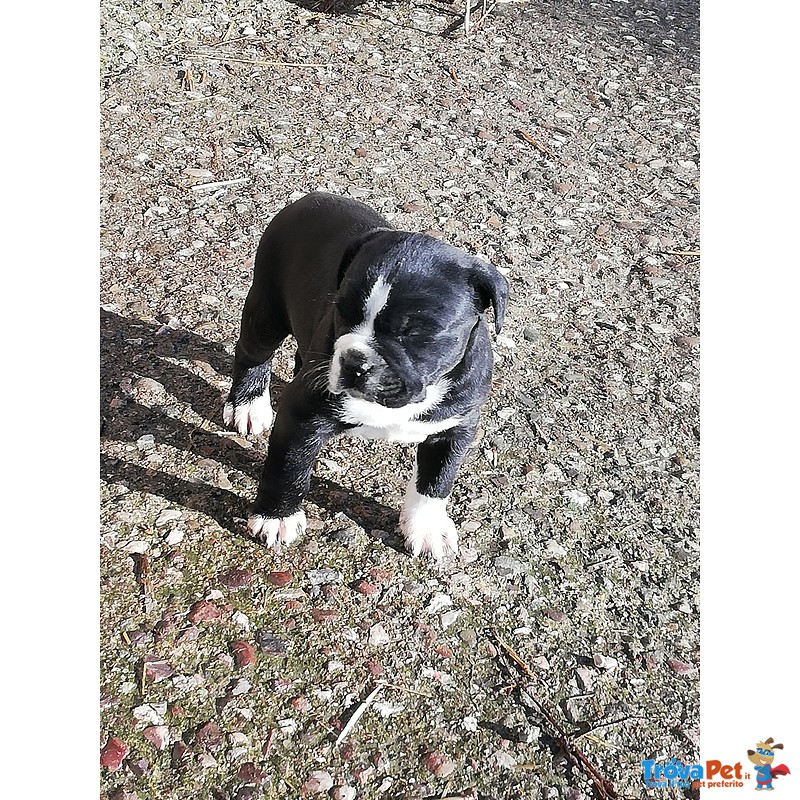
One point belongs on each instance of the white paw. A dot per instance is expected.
(254, 417)
(426, 527)
(274, 530)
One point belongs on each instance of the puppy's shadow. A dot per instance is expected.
(139, 379)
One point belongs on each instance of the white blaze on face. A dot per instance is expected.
(361, 337)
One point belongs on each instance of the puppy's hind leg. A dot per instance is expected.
(248, 408)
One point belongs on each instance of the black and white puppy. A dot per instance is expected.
(391, 344)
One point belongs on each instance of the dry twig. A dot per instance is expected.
(187, 81)
(605, 788)
(357, 714)
(268, 743)
(406, 689)
(220, 184)
(255, 62)
(526, 137)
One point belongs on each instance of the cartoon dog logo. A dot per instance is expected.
(762, 757)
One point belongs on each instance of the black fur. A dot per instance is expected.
(314, 269)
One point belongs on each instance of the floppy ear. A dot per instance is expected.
(491, 288)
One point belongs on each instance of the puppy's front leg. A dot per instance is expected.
(424, 521)
(299, 433)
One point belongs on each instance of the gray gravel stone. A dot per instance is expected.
(316, 577)
(506, 566)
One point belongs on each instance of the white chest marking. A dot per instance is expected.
(402, 424)
(412, 432)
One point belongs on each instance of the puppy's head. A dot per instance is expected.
(406, 307)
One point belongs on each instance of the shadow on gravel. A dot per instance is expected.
(355, 8)
(132, 350)
(338, 7)
(650, 21)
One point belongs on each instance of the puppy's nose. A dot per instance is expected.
(353, 369)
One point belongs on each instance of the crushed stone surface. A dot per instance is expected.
(559, 139)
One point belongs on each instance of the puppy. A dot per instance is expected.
(391, 344)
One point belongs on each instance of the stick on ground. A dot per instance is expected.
(351, 723)
(605, 789)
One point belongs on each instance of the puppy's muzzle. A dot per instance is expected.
(354, 370)
(361, 376)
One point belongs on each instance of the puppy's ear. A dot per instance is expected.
(491, 288)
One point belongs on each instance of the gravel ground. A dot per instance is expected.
(560, 140)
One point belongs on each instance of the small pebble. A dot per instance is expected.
(605, 662)
(241, 619)
(449, 617)
(279, 578)
(156, 669)
(438, 764)
(378, 636)
(270, 644)
(168, 515)
(157, 735)
(555, 549)
(343, 536)
(113, 753)
(530, 334)
(123, 794)
(208, 736)
(236, 578)
(439, 602)
(375, 669)
(138, 766)
(380, 574)
(300, 703)
(250, 772)
(507, 566)
(180, 756)
(195, 172)
(175, 536)
(325, 614)
(586, 678)
(469, 637)
(316, 577)
(318, 782)
(244, 654)
(203, 611)
(239, 686)
(366, 588)
(150, 712)
(680, 667)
